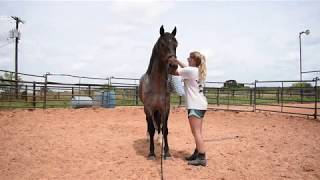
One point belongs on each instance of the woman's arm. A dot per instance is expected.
(181, 64)
(176, 61)
(174, 73)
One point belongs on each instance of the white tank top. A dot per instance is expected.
(194, 96)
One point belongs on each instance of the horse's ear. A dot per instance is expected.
(174, 32)
(161, 30)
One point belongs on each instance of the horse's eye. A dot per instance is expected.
(162, 44)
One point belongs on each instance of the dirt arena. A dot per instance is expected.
(98, 143)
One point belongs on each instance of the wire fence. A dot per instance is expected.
(48, 91)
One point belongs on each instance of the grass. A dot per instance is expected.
(127, 97)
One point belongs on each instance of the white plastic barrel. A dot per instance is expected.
(81, 101)
(176, 84)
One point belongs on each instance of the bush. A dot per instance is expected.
(301, 85)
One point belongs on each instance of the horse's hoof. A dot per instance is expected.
(167, 156)
(151, 157)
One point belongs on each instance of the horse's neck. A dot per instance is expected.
(159, 70)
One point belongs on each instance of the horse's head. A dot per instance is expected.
(164, 49)
(167, 44)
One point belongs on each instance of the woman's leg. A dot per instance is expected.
(201, 129)
(196, 128)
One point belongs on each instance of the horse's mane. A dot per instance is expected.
(154, 51)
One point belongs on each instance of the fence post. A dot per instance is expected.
(278, 94)
(218, 96)
(180, 100)
(45, 90)
(26, 94)
(250, 96)
(17, 86)
(34, 95)
(137, 94)
(89, 90)
(316, 98)
(254, 96)
(281, 96)
(232, 95)
(302, 93)
(72, 92)
(228, 98)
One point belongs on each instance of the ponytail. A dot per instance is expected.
(201, 64)
(202, 69)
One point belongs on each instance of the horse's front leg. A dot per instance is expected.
(165, 136)
(151, 131)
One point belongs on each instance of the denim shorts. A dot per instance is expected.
(197, 113)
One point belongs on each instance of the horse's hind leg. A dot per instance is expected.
(151, 131)
(165, 133)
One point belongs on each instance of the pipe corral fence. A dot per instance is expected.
(63, 90)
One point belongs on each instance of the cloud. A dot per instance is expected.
(242, 41)
(139, 13)
(312, 41)
(7, 63)
(118, 28)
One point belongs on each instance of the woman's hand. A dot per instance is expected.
(173, 60)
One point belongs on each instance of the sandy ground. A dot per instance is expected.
(100, 143)
(308, 110)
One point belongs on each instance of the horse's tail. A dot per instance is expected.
(140, 88)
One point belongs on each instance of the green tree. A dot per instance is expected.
(232, 84)
(8, 76)
(7, 85)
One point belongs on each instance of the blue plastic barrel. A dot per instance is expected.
(97, 99)
(109, 99)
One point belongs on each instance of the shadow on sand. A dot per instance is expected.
(141, 147)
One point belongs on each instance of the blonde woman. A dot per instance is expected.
(194, 76)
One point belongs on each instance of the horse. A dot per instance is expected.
(153, 88)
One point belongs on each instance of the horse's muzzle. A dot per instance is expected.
(173, 66)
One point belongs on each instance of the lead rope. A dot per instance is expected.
(161, 163)
(165, 107)
(161, 169)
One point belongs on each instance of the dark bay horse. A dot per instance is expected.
(153, 88)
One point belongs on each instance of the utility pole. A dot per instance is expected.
(307, 32)
(16, 35)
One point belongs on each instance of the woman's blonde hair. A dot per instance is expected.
(201, 64)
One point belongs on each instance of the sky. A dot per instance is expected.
(244, 41)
